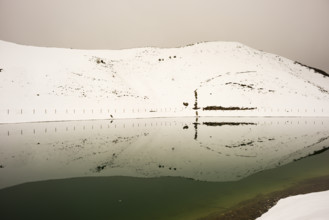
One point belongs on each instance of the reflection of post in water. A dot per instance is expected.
(196, 123)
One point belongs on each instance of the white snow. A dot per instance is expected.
(53, 84)
(313, 206)
(50, 84)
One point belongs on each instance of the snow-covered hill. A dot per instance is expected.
(213, 79)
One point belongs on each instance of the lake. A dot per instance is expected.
(163, 168)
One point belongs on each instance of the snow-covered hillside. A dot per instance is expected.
(213, 79)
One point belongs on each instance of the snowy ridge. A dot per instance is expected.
(49, 84)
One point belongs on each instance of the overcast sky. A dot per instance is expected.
(296, 29)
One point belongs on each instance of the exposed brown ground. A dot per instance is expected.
(254, 208)
(221, 108)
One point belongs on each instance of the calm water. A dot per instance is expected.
(182, 168)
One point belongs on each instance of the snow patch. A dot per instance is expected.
(301, 207)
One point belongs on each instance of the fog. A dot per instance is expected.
(296, 29)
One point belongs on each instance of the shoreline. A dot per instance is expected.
(255, 207)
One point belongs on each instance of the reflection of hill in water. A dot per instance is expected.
(224, 149)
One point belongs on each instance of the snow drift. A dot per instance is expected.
(301, 207)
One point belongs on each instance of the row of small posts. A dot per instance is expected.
(160, 110)
(74, 128)
(67, 111)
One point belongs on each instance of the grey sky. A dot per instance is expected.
(296, 29)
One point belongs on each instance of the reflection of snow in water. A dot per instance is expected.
(225, 149)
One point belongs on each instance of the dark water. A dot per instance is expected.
(155, 168)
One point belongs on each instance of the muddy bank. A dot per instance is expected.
(227, 123)
(221, 108)
(254, 208)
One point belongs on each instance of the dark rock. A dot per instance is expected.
(100, 168)
(315, 69)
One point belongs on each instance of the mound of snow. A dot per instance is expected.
(301, 207)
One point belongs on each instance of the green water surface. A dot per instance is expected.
(148, 198)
